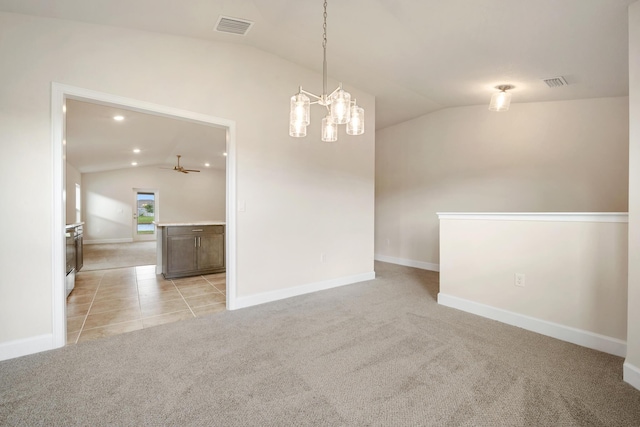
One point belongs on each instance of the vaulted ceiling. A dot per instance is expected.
(96, 142)
(415, 56)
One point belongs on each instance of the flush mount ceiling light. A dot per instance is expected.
(500, 101)
(118, 118)
(340, 109)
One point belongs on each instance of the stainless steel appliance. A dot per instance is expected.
(79, 243)
(70, 235)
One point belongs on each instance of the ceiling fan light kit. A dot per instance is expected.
(340, 108)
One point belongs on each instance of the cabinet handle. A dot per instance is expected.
(198, 230)
(195, 242)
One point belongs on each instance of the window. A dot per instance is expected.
(78, 204)
(146, 204)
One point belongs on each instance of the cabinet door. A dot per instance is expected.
(211, 252)
(181, 254)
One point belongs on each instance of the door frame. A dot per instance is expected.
(156, 213)
(59, 94)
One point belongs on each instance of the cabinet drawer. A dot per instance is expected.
(195, 230)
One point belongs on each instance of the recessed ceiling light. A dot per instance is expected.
(118, 118)
(207, 164)
(224, 154)
(136, 150)
(134, 163)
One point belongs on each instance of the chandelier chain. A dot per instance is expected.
(324, 53)
(324, 27)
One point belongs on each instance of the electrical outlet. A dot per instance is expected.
(388, 242)
(323, 257)
(520, 279)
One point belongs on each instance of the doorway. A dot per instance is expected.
(60, 93)
(145, 210)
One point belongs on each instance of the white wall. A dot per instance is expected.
(302, 197)
(109, 202)
(632, 362)
(575, 283)
(73, 177)
(537, 157)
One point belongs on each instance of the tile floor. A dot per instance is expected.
(115, 301)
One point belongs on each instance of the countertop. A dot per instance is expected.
(188, 224)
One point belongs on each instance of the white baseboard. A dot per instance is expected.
(100, 241)
(265, 297)
(23, 347)
(631, 374)
(408, 262)
(581, 337)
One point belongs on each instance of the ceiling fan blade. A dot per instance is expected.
(192, 170)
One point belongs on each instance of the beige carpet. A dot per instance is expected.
(104, 256)
(378, 353)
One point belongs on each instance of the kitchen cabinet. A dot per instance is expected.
(189, 250)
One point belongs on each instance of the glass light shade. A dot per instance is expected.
(340, 107)
(297, 130)
(356, 123)
(329, 130)
(500, 101)
(299, 109)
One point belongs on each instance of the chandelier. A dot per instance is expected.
(340, 108)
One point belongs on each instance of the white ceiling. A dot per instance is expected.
(96, 142)
(415, 56)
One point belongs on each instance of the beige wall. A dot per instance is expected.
(302, 197)
(108, 199)
(575, 272)
(73, 177)
(633, 353)
(537, 157)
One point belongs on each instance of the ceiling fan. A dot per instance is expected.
(179, 168)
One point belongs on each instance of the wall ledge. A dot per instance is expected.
(538, 216)
(25, 346)
(408, 262)
(265, 297)
(580, 337)
(631, 375)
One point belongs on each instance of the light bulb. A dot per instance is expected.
(500, 101)
(340, 111)
(297, 130)
(356, 123)
(299, 112)
(329, 130)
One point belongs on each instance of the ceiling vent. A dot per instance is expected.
(226, 24)
(555, 81)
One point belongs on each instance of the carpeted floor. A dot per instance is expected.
(104, 256)
(378, 353)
